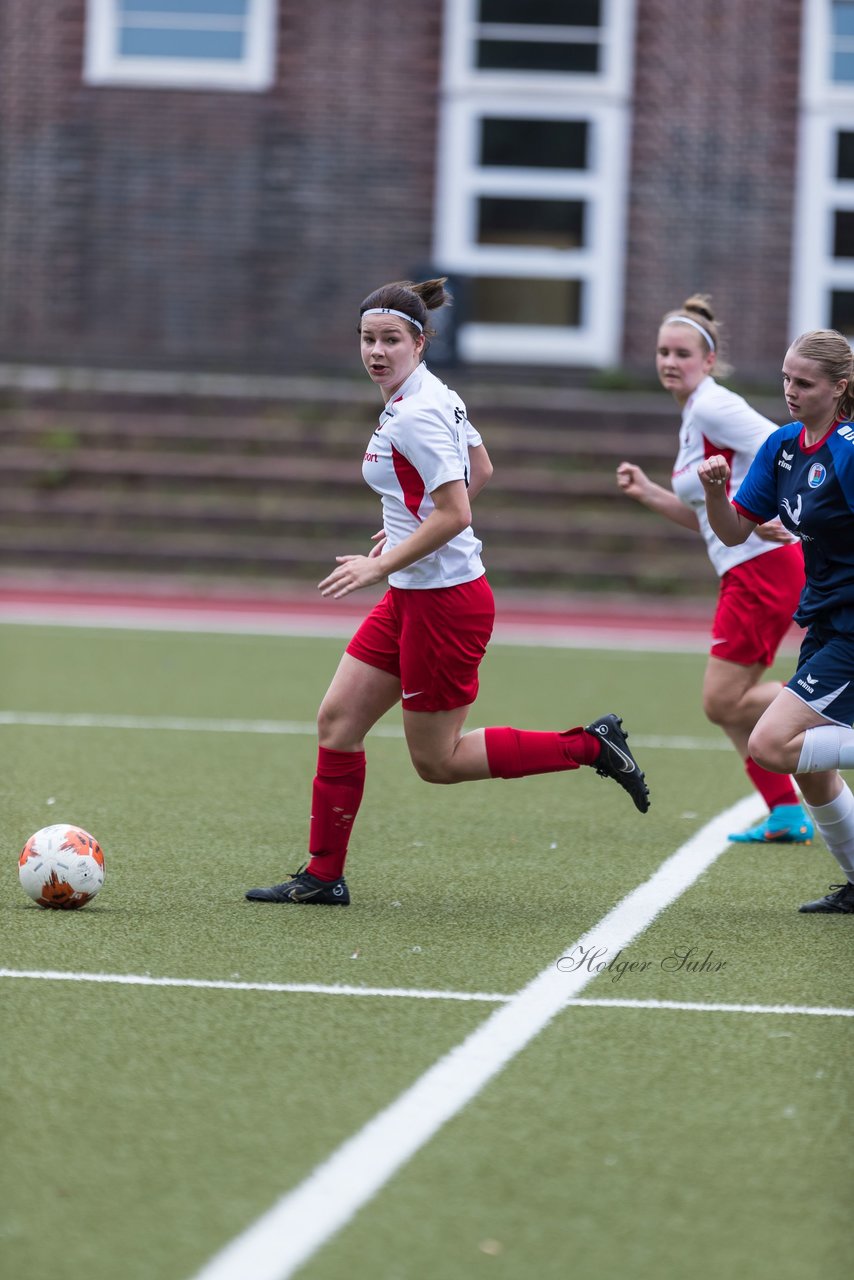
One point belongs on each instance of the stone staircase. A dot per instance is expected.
(271, 488)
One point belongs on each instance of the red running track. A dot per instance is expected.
(574, 622)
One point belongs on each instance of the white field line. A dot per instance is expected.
(305, 1218)
(543, 634)
(718, 1006)
(414, 993)
(182, 724)
(85, 720)
(204, 984)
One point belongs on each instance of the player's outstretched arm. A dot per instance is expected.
(730, 525)
(635, 483)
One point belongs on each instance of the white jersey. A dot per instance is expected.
(422, 442)
(715, 420)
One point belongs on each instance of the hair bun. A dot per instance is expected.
(700, 304)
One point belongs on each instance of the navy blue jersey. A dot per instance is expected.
(811, 489)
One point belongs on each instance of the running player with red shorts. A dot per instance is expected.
(760, 580)
(422, 644)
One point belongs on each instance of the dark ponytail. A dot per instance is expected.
(415, 300)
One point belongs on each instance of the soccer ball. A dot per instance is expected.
(61, 867)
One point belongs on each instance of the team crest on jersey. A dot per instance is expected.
(816, 475)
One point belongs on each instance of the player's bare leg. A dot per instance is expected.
(358, 696)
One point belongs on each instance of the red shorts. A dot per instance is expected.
(755, 606)
(432, 640)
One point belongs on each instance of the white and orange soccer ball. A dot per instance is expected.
(61, 867)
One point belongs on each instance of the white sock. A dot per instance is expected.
(835, 821)
(830, 746)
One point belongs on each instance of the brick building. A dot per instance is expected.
(215, 184)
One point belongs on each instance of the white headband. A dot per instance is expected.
(694, 325)
(390, 311)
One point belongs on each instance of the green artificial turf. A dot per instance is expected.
(144, 1127)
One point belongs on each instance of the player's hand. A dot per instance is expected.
(774, 531)
(633, 481)
(714, 474)
(352, 573)
(380, 539)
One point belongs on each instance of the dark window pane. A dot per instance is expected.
(535, 55)
(843, 234)
(563, 13)
(502, 300)
(842, 310)
(845, 155)
(555, 224)
(534, 144)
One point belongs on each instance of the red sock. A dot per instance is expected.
(335, 799)
(518, 753)
(774, 788)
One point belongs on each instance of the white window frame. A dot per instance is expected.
(103, 65)
(602, 100)
(826, 108)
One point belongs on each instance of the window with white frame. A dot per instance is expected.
(823, 269)
(187, 44)
(533, 160)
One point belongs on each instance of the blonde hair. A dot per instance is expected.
(832, 353)
(699, 309)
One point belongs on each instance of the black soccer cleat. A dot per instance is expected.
(616, 760)
(840, 902)
(304, 887)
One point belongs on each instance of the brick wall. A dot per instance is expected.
(712, 177)
(200, 229)
(238, 231)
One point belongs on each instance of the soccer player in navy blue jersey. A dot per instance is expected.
(804, 473)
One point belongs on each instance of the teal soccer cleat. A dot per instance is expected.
(785, 824)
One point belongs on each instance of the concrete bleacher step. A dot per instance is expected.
(276, 489)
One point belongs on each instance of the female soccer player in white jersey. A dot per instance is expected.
(423, 643)
(760, 581)
(804, 473)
